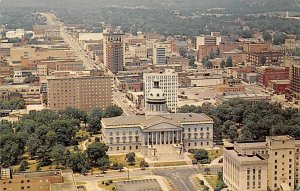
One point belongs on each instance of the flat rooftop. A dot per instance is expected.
(245, 145)
(280, 138)
(244, 158)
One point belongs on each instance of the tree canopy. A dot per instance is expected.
(238, 119)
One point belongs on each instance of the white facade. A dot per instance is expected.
(139, 51)
(205, 81)
(206, 40)
(90, 36)
(18, 33)
(168, 83)
(133, 133)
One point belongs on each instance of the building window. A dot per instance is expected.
(291, 152)
(137, 147)
(189, 144)
(275, 153)
(124, 148)
(118, 148)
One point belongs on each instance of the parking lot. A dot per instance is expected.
(139, 185)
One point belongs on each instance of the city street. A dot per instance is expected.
(179, 176)
(87, 61)
(119, 99)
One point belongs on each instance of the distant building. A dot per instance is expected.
(39, 30)
(269, 58)
(54, 180)
(260, 166)
(213, 39)
(113, 50)
(256, 47)
(178, 60)
(138, 51)
(168, 81)
(30, 93)
(52, 33)
(280, 86)
(244, 96)
(90, 37)
(265, 74)
(18, 33)
(159, 54)
(295, 77)
(86, 92)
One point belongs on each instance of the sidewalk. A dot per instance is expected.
(201, 177)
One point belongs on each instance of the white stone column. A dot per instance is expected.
(148, 138)
(151, 138)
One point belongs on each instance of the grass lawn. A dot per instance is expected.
(191, 156)
(121, 159)
(211, 179)
(82, 133)
(177, 163)
(213, 154)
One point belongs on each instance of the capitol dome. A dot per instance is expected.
(156, 99)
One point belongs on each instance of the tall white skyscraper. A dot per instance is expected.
(168, 82)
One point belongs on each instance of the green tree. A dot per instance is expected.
(218, 52)
(103, 163)
(23, 165)
(232, 133)
(229, 62)
(112, 111)
(267, 36)
(246, 34)
(143, 164)
(65, 130)
(279, 38)
(96, 151)
(200, 154)
(182, 51)
(192, 61)
(74, 113)
(58, 154)
(130, 158)
(94, 120)
(77, 162)
(222, 64)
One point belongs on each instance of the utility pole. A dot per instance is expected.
(128, 173)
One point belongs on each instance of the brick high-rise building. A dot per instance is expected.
(113, 50)
(295, 79)
(83, 93)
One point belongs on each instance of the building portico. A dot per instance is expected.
(158, 134)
